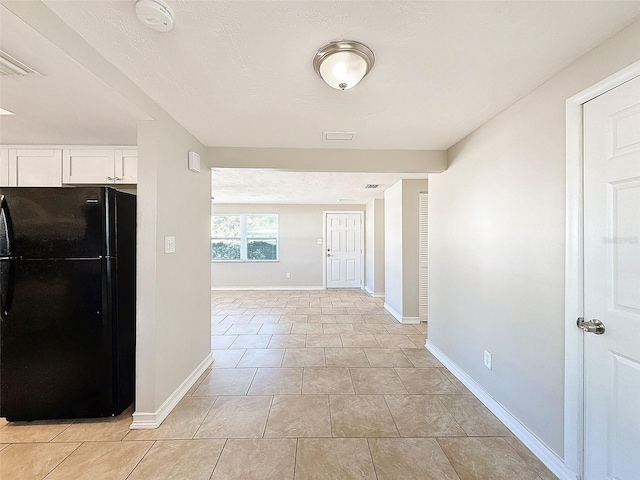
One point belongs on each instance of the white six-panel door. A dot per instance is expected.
(344, 250)
(612, 283)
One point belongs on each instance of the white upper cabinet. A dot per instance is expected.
(126, 166)
(100, 166)
(30, 167)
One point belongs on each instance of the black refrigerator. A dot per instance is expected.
(67, 302)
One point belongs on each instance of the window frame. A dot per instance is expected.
(244, 239)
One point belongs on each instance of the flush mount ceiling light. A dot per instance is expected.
(155, 14)
(343, 64)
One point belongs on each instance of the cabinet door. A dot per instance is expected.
(126, 166)
(4, 167)
(35, 167)
(88, 166)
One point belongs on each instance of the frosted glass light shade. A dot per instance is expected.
(343, 64)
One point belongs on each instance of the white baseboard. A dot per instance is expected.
(400, 318)
(539, 449)
(267, 288)
(151, 420)
(374, 294)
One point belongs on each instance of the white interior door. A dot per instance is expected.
(344, 250)
(612, 283)
(424, 257)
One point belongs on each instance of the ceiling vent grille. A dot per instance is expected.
(12, 66)
(338, 136)
(371, 185)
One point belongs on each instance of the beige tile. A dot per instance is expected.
(456, 383)
(473, 417)
(262, 357)
(324, 341)
(338, 328)
(379, 318)
(370, 329)
(275, 329)
(401, 329)
(178, 460)
(3, 446)
(421, 358)
(269, 318)
(359, 340)
(350, 318)
(376, 380)
(283, 310)
(181, 423)
(425, 381)
(219, 342)
(307, 328)
(482, 458)
(204, 375)
(287, 341)
(394, 341)
(226, 358)
(531, 460)
(299, 416)
(361, 416)
(334, 458)
(422, 416)
(264, 459)
(322, 319)
(334, 311)
(112, 429)
(220, 329)
(257, 311)
(101, 460)
(277, 381)
(421, 327)
(226, 381)
(237, 319)
(303, 357)
(236, 417)
(410, 458)
(346, 357)
(387, 357)
(327, 380)
(32, 461)
(294, 318)
(251, 341)
(28, 432)
(418, 340)
(244, 329)
(308, 311)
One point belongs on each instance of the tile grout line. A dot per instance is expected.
(59, 463)
(141, 458)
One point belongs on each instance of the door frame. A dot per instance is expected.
(324, 244)
(574, 262)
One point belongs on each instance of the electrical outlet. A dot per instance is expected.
(487, 359)
(169, 244)
(288, 275)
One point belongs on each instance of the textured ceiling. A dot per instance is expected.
(67, 105)
(238, 185)
(238, 73)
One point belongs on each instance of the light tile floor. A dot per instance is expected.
(305, 385)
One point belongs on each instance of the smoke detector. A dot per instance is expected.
(155, 14)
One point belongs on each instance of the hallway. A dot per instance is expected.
(305, 385)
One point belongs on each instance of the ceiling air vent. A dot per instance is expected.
(338, 136)
(11, 66)
(371, 185)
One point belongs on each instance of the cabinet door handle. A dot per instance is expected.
(109, 178)
(118, 178)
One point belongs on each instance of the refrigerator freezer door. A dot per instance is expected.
(54, 222)
(56, 348)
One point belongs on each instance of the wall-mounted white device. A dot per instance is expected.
(155, 14)
(194, 162)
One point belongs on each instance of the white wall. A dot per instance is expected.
(496, 246)
(374, 247)
(299, 252)
(402, 248)
(174, 313)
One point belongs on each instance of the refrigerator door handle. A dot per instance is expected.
(6, 287)
(5, 228)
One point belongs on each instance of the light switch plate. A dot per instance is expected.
(169, 244)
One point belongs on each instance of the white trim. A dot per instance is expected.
(373, 294)
(324, 245)
(151, 420)
(401, 319)
(574, 262)
(539, 449)
(269, 288)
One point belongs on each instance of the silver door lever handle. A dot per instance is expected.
(591, 326)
